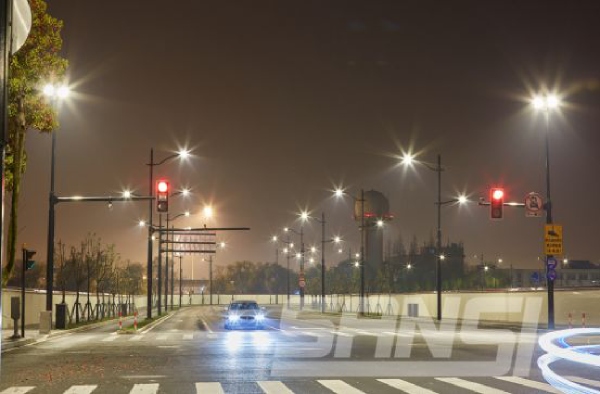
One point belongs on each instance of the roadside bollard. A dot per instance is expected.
(120, 322)
(135, 321)
(570, 321)
(583, 320)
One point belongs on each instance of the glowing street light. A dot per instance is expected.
(408, 159)
(54, 93)
(546, 103)
(182, 154)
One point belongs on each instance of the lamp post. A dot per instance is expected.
(341, 193)
(301, 280)
(53, 93)
(180, 276)
(182, 154)
(286, 251)
(408, 159)
(171, 219)
(547, 103)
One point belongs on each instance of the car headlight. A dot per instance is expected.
(233, 318)
(260, 317)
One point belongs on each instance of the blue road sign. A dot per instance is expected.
(551, 263)
(551, 275)
(535, 277)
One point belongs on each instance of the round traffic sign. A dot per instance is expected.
(551, 275)
(533, 205)
(551, 263)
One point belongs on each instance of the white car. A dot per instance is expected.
(244, 314)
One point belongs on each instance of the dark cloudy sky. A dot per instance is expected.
(281, 100)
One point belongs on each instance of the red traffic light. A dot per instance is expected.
(162, 186)
(496, 203)
(162, 196)
(497, 194)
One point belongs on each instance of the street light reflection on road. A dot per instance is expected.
(257, 340)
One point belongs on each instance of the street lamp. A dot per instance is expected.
(547, 103)
(181, 154)
(180, 275)
(408, 160)
(341, 193)
(301, 280)
(54, 93)
(171, 219)
(286, 250)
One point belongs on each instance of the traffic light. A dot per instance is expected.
(27, 258)
(162, 196)
(496, 202)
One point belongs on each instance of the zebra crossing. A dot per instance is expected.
(290, 334)
(440, 385)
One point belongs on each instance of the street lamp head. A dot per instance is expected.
(546, 102)
(127, 194)
(184, 153)
(442, 257)
(407, 159)
(56, 92)
(208, 211)
(380, 223)
(462, 199)
(286, 229)
(142, 223)
(339, 192)
(313, 249)
(274, 238)
(304, 216)
(337, 240)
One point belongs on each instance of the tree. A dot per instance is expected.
(36, 62)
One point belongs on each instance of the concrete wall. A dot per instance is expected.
(497, 306)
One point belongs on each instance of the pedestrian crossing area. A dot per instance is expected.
(441, 385)
(292, 334)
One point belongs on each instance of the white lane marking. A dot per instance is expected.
(80, 389)
(110, 338)
(187, 337)
(340, 387)
(17, 390)
(577, 379)
(211, 335)
(530, 383)
(145, 388)
(274, 387)
(362, 332)
(162, 337)
(137, 337)
(209, 388)
(343, 334)
(476, 387)
(405, 386)
(206, 325)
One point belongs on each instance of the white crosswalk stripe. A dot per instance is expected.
(17, 390)
(473, 386)
(188, 337)
(274, 387)
(110, 338)
(81, 389)
(340, 387)
(530, 383)
(209, 388)
(162, 337)
(147, 388)
(407, 387)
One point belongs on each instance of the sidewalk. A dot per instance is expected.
(32, 333)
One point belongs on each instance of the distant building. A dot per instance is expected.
(375, 209)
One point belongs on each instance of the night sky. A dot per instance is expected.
(283, 100)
